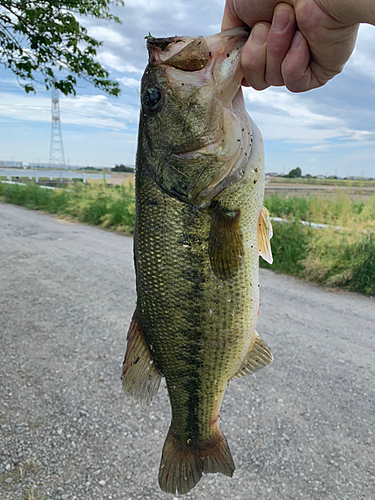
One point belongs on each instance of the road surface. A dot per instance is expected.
(302, 428)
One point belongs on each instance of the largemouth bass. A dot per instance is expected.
(200, 227)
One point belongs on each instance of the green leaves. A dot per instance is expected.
(46, 37)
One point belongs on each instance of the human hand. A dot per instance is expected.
(301, 44)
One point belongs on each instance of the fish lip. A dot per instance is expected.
(165, 51)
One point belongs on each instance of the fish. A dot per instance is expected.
(200, 227)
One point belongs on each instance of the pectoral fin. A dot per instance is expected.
(140, 377)
(264, 235)
(225, 242)
(258, 356)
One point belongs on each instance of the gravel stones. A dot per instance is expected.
(302, 428)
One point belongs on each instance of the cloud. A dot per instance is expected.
(330, 123)
(362, 60)
(113, 61)
(110, 36)
(90, 111)
(291, 105)
(129, 82)
(299, 118)
(319, 148)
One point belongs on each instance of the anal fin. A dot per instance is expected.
(225, 242)
(264, 235)
(140, 377)
(258, 356)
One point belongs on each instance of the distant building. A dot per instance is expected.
(14, 164)
(272, 174)
(320, 176)
(54, 167)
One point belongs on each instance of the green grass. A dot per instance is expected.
(339, 211)
(109, 207)
(332, 258)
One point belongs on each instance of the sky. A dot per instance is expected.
(327, 131)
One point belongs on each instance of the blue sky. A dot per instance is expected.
(329, 131)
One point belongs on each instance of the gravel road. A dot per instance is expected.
(302, 428)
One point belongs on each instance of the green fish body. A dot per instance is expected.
(200, 226)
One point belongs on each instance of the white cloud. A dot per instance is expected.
(363, 59)
(291, 105)
(292, 118)
(89, 111)
(318, 148)
(110, 36)
(129, 82)
(113, 61)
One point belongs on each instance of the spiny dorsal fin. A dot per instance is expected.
(258, 356)
(140, 377)
(264, 235)
(225, 242)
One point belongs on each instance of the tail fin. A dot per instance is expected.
(182, 465)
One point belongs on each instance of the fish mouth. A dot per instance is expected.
(220, 53)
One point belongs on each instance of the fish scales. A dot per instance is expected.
(189, 317)
(196, 259)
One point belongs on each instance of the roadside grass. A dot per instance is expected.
(341, 210)
(111, 207)
(331, 257)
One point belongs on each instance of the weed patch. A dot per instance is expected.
(106, 206)
(329, 257)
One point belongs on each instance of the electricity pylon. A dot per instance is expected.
(56, 152)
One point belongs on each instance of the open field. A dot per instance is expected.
(118, 179)
(322, 182)
(283, 187)
(304, 190)
(327, 188)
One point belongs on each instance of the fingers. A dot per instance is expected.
(254, 56)
(266, 48)
(279, 39)
(230, 19)
(296, 69)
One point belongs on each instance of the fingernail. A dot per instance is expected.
(281, 20)
(259, 34)
(296, 42)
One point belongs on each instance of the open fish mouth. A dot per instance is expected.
(216, 57)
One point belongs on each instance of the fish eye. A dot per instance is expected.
(152, 99)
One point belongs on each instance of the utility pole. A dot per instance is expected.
(56, 153)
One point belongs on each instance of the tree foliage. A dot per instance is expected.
(122, 168)
(41, 39)
(295, 172)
